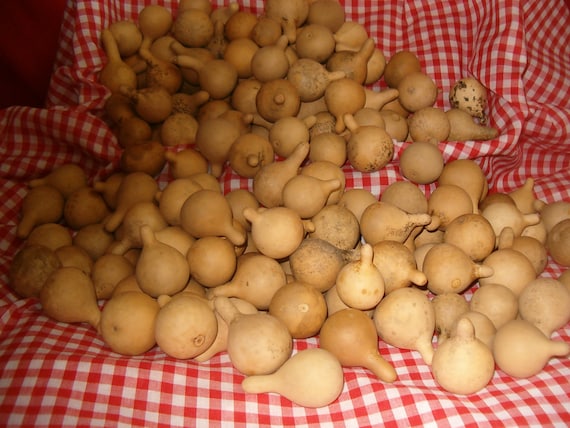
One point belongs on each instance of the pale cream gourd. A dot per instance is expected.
(405, 318)
(128, 321)
(469, 95)
(269, 181)
(502, 215)
(351, 336)
(276, 231)
(382, 220)
(160, 269)
(258, 344)
(484, 328)
(497, 302)
(463, 364)
(208, 213)
(185, 326)
(521, 350)
(256, 280)
(510, 268)
(68, 296)
(310, 378)
(450, 270)
(301, 307)
(397, 265)
(530, 246)
(545, 302)
(359, 283)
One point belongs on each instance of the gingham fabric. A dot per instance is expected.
(56, 374)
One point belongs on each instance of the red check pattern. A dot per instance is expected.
(53, 374)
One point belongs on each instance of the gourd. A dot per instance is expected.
(258, 344)
(498, 302)
(350, 335)
(310, 378)
(397, 265)
(405, 318)
(41, 204)
(307, 195)
(66, 178)
(115, 73)
(463, 364)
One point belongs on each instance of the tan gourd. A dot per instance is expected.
(276, 231)
(545, 302)
(207, 213)
(405, 318)
(375, 67)
(128, 235)
(30, 268)
(50, 235)
(447, 202)
(66, 178)
(417, 90)
(484, 328)
(330, 14)
(369, 148)
(462, 127)
(497, 302)
(301, 307)
(269, 181)
(94, 239)
(74, 256)
(266, 31)
(240, 24)
(128, 321)
(186, 162)
(220, 342)
(315, 41)
(450, 270)
(68, 296)
(154, 21)
(239, 199)
(421, 162)
(214, 139)
(369, 117)
(406, 196)
(259, 343)
(240, 53)
(553, 213)
(270, 62)
(327, 171)
(448, 308)
(344, 96)
(161, 269)
(468, 175)
(317, 263)
(126, 285)
(160, 72)
(176, 237)
(532, 248)
(212, 260)
(84, 206)
(351, 336)
(288, 132)
(307, 195)
(128, 36)
(178, 129)
(248, 153)
(399, 65)
(360, 284)
(189, 103)
(356, 200)
(291, 15)
(41, 204)
(146, 156)
(382, 220)
(521, 350)
(109, 187)
(185, 326)
(115, 73)
(153, 104)
(193, 28)
(215, 76)
(256, 280)
(276, 99)
(135, 187)
(353, 63)
(396, 125)
(463, 364)
(173, 196)
(473, 234)
(503, 215)
(310, 378)
(207, 181)
(107, 271)
(397, 265)
(350, 36)
(337, 225)
(510, 268)
(557, 242)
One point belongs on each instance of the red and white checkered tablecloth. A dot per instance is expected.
(55, 374)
